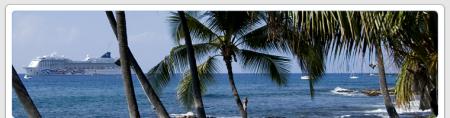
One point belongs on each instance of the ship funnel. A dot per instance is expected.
(106, 55)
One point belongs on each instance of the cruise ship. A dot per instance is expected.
(59, 65)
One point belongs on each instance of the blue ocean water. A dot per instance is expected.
(103, 96)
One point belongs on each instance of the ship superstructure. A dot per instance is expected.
(59, 65)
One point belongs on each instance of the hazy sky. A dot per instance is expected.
(77, 34)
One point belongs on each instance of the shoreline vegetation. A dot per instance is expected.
(252, 39)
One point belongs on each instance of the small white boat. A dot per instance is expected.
(354, 77)
(371, 74)
(27, 77)
(304, 77)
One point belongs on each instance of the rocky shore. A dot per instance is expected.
(377, 92)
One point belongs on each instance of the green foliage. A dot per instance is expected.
(224, 34)
(160, 74)
(177, 61)
(198, 30)
(276, 66)
(312, 35)
(409, 36)
(403, 88)
(414, 48)
(206, 72)
(432, 116)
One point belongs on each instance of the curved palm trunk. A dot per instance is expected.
(23, 96)
(149, 92)
(124, 61)
(234, 89)
(193, 67)
(383, 85)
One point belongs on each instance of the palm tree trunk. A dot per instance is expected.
(234, 89)
(193, 67)
(433, 102)
(148, 89)
(124, 61)
(23, 96)
(383, 85)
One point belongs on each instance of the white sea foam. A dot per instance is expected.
(344, 116)
(346, 92)
(181, 115)
(414, 108)
(192, 114)
(400, 111)
(376, 111)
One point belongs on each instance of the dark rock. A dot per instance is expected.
(377, 92)
(371, 92)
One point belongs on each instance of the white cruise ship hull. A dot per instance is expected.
(51, 65)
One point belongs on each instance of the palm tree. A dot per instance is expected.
(349, 32)
(193, 67)
(23, 96)
(383, 84)
(375, 29)
(416, 54)
(411, 37)
(308, 36)
(231, 35)
(368, 31)
(124, 61)
(148, 89)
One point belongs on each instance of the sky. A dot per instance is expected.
(76, 34)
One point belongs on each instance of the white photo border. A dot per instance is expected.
(438, 8)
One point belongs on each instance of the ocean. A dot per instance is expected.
(103, 96)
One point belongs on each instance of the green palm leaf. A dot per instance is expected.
(252, 40)
(275, 66)
(177, 61)
(160, 74)
(206, 72)
(180, 57)
(404, 85)
(198, 30)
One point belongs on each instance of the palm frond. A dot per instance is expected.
(180, 57)
(414, 80)
(275, 66)
(309, 35)
(252, 40)
(312, 61)
(232, 23)
(176, 61)
(161, 74)
(404, 85)
(206, 72)
(199, 31)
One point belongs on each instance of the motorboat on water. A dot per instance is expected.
(352, 76)
(27, 77)
(304, 77)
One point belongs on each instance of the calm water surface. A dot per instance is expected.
(103, 96)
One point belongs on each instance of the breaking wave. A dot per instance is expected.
(413, 109)
(345, 92)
